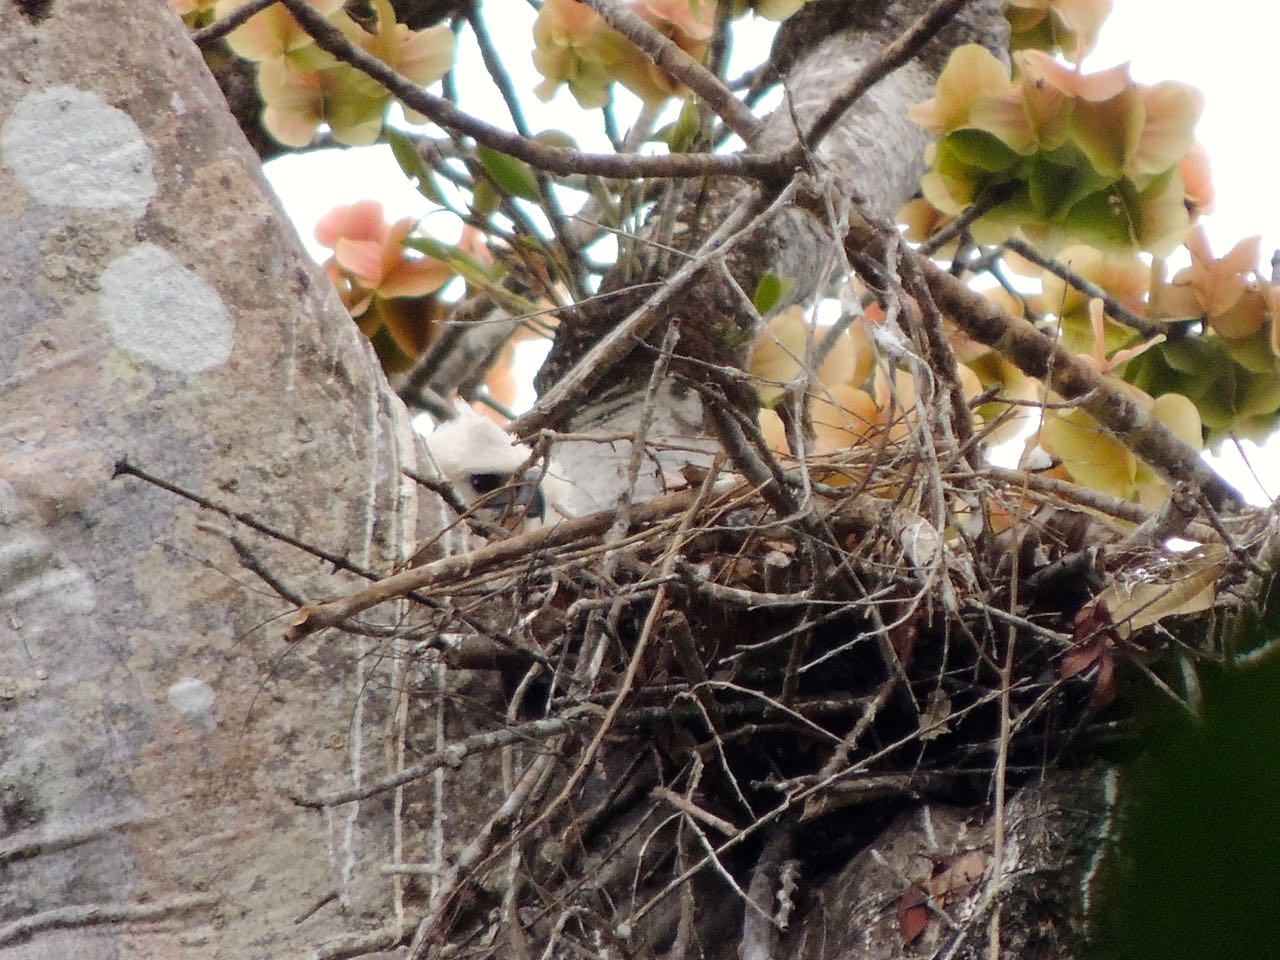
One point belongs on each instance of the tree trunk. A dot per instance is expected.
(159, 310)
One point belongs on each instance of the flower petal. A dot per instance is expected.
(361, 220)
(361, 258)
(971, 71)
(1168, 131)
(426, 55)
(414, 278)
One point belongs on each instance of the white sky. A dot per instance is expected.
(1227, 48)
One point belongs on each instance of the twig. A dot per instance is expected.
(571, 389)
(552, 159)
(1041, 357)
(789, 803)
(942, 357)
(718, 46)
(737, 596)
(893, 56)
(1172, 520)
(533, 782)
(251, 562)
(451, 756)
(1002, 746)
(550, 203)
(321, 615)
(1110, 305)
(674, 61)
(1241, 554)
(656, 609)
(676, 630)
(124, 468)
(638, 439)
(693, 811)
(207, 36)
(989, 199)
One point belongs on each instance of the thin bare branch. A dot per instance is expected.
(1110, 305)
(207, 36)
(893, 56)
(451, 756)
(670, 58)
(552, 159)
(1039, 356)
(321, 615)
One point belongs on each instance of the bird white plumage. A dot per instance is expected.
(470, 444)
(482, 462)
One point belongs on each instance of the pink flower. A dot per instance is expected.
(370, 256)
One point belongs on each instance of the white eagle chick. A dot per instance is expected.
(491, 472)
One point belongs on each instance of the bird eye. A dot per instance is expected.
(487, 482)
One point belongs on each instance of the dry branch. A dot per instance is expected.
(666, 55)
(551, 159)
(492, 557)
(1039, 356)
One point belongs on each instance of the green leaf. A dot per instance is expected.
(1259, 395)
(975, 149)
(1057, 183)
(432, 248)
(484, 198)
(512, 175)
(461, 262)
(1252, 352)
(1104, 220)
(682, 134)
(412, 165)
(472, 271)
(1187, 355)
(770, 291)
(1159, 211)
(1220, 406)
(1151, 372)
(556, 138)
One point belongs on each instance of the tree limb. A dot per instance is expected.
(552, 159)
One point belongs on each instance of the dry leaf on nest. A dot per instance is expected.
(933, 720)
(1142, 603)
(913, 915)
(1093, 632)
(960, 876)
(954, 880)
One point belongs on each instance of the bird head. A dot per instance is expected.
(487, 469)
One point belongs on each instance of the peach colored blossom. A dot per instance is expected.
(371, 255)
(273, 33)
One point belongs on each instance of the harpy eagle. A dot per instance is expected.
(492, 473)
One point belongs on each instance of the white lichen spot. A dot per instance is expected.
(194, 700)
(71, 148)
(159, 310)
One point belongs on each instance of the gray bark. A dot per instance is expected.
(158, 307)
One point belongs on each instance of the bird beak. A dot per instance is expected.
(516, 503)
(528, 495)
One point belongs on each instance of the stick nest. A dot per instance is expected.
(742, 680)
